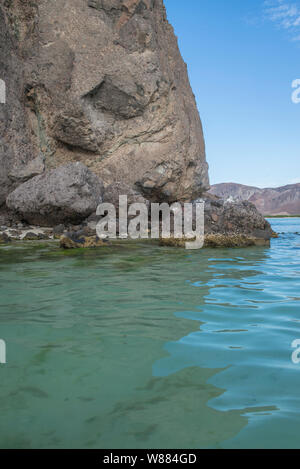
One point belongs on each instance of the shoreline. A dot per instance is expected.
(68, 242)
(226, 226)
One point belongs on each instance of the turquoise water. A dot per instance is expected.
(138, 346)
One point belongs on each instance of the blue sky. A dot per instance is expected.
(242, 57)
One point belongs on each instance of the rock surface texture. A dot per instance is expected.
(230, 224)
(235, 218)
(101, 82)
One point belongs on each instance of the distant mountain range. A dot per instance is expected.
(280, 201)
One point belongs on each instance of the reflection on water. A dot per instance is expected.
(146, 347)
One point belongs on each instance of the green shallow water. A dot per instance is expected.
(139, 346)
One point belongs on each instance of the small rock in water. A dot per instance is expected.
(71, 241)
(4, 238)
(31, 236)
(43, 236)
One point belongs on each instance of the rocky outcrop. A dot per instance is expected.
(279, 201)
(230, 224)
(67, 194)
(229, 218)
(227, 224)
(101, 82)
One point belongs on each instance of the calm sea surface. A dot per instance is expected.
(138, 346)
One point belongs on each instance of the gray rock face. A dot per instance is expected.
(117, 189)
(101, 82)
(67, 194)
(235, 218)
(16, 146)
(229, 225)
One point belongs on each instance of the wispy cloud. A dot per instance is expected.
(285, 15)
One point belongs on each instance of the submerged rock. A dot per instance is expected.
(234, 241)
(71, 241)
(67, 194)
(219, 241)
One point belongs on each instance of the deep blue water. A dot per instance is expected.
(138, 346)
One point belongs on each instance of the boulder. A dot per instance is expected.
(230, 224)
(4, 238)
(31, 236)
(69, 193)
(235, 218)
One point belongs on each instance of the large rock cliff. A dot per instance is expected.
(99, 105)
(100, 82)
